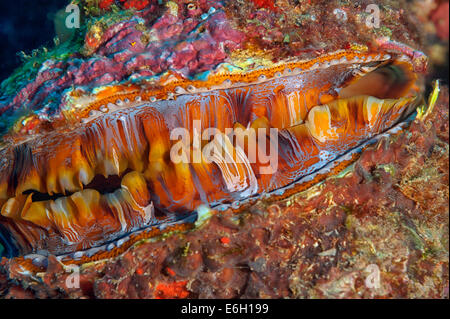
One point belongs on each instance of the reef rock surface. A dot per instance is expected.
(380, 229)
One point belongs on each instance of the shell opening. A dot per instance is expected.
(391, 81)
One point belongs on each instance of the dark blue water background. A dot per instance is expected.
(25, 25)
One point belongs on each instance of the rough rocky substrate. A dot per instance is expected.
(389, 216)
